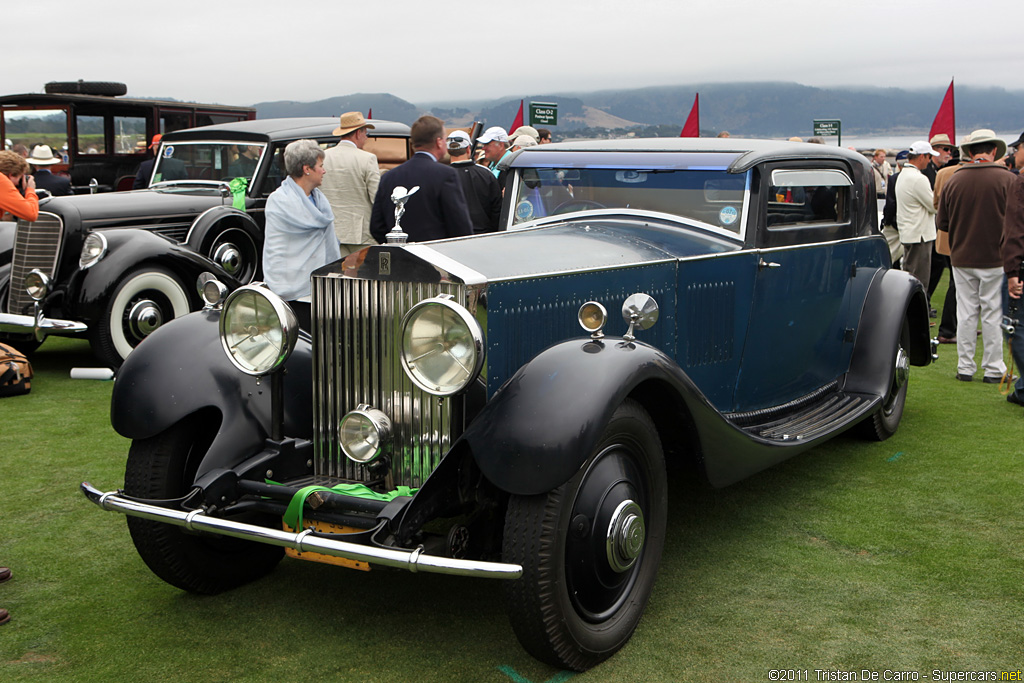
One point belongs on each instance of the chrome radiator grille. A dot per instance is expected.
(36, 245)
(356, 359)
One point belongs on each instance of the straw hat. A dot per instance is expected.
(350, 121)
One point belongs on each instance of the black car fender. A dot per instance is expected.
(893, 296)
(540, 427)
(128, 249)
(181, 370)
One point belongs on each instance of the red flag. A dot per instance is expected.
(692, 127)
(518, 120)
(370, 114)
(945, 119)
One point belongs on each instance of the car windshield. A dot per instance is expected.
(207, 161)
(713, 197)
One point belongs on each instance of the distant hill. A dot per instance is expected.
(745, 109)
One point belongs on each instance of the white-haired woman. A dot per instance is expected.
(299, 234)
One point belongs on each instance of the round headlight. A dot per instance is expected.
(442, 346)
(592, 317)
(37, 285)
(258, 329)
(93, 249)
(364, 433)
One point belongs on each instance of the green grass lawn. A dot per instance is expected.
(904, 555)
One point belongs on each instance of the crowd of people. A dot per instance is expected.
(338, 203)
(963, 209)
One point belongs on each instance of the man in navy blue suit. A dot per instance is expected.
(438, 209)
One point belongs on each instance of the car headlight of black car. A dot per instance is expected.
(442, 346)
(93, 249)
(258, 330)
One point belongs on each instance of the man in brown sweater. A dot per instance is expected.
(1013, 255)
(972, 206)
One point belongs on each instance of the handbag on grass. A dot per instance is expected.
(15, 372)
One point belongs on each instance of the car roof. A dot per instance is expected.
(281, 129)
(56, 99)
(733, 154)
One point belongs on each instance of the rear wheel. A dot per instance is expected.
(163, 467)
(590, 548)
(886, 419)
(142, 302)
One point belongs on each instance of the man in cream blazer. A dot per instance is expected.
(350, 183)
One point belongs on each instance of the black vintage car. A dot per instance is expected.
(121, 264)
(101, 136)
(448, 413)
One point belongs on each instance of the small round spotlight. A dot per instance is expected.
(592, 317)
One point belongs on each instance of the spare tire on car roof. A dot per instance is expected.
(110, 89)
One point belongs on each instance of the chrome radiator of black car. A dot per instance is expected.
(356, 359)
(36, 246)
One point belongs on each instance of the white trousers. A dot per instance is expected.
(979, 295)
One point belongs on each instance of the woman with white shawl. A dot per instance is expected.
(299, 234)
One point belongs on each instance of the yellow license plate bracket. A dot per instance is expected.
(327, 527)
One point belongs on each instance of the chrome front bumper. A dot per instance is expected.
(304, 541)
(38, 325)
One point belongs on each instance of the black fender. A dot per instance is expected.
(128, 249)
(892, 296)
(209, 224)
(540, 427)
(181, 370)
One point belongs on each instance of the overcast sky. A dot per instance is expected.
(241, 53)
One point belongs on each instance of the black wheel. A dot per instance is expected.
(590, 548)
(577, 205)
(143, 301)
(164, 467)
(234, 250)
(107, 88)
(886, 420)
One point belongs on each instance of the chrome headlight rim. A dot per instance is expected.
(37, 284)
(472, 328)
(370, 421)
(285, 322)
(94, 248)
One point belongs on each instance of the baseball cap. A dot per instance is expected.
(922, 147)
(459, 139)
(493, 133)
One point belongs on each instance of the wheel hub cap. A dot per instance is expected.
(626, 533)
(228, 257)
(144, 318)
(902, 368)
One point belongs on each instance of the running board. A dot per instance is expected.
(836, 411)
(304, 541)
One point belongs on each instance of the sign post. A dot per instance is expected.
(543, 113)
(829, 127)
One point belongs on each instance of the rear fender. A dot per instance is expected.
(892, 297)
(181, 370)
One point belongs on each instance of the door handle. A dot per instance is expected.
(762, 264)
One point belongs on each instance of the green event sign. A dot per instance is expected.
(829, 127)
(543, 113)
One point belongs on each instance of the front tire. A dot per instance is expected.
(163, 467)
(590, 548)
(142, 302)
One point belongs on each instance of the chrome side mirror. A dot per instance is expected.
(641, 312)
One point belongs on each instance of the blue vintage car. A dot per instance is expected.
(477, 406)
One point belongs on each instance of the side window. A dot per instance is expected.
(90, 135)
(129, 135)
(806, 197)
(275, 174)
